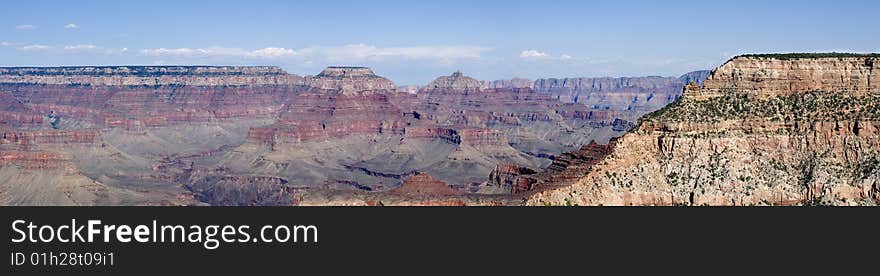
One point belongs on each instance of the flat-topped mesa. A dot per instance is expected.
(508, 84)
(350, 80)
(143, 71)
(347, 72)
(149, 75)
(771, 75)
(457, 82)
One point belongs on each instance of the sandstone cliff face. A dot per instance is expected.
(769, 77)
(762, 131)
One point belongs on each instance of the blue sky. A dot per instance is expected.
(412, 42)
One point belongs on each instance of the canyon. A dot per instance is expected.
(785, 129)
(775, 129)
(230, 135)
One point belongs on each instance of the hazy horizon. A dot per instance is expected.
(414, 42)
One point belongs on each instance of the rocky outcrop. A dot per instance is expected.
(566, 170)
(244, 190)
(350, 80)
(510, 178)
(455, 82)
(764, 130)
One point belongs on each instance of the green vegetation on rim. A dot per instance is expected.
(816, 105)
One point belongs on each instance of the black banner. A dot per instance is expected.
(385, 239)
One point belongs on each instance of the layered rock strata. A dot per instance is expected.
(764, 130)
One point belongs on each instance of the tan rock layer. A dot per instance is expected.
(769, 77)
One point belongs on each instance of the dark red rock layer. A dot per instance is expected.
(15, 113)
(115, 106)
(326, 114)
(24, 139)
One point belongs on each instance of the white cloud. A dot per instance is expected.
(35, 47)
(361, 52)
(532, 54)
(273, 52)
(270, 52)
(172, 52)
(82, 47)
(25, 27)
(6, 44)
(535, 54)
(71, 26)
(350, 53)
